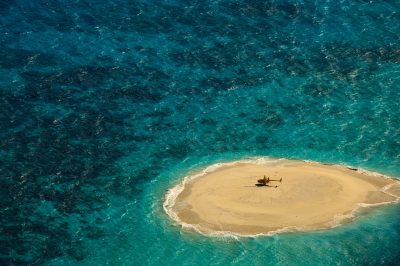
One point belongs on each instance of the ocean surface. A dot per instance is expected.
(104, 105)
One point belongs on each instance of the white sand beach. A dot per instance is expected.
(310, 196)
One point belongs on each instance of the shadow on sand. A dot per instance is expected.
(264, 185)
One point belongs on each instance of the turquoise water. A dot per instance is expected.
(106, 105)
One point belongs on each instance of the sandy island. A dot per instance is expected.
(224, 198)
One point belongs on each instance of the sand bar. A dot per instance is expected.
(224, 199)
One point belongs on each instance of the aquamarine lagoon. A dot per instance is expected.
(105, 105)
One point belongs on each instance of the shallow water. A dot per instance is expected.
(105, 105)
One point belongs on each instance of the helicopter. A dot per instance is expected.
(265, 181)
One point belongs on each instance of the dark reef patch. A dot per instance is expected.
(13, 58)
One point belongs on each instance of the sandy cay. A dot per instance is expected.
(310, 196)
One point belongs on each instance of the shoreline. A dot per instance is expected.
(339, 219)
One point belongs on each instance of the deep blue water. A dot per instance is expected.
(106, 104)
